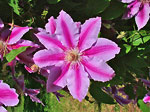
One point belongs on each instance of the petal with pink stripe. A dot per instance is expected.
(51, 25)
(78, 82)
(98, 70)
(8, 96)
(89, 33)
(17, 34)
(55, 72)
(62, 79)
(67, 31)
(143, 16)
(45, 58)
(103, 49)
(49, 42)
(132, 10)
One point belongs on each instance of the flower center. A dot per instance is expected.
(145, 1)
(34, 68)
(73, 55)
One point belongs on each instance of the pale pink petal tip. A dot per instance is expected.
(8, 96)
(99, 70)
(89, 33)
(127, 1)
(78, 82)
(2, 109)
(143, 16)
(146, 99)
(67, 31)
(51, 25)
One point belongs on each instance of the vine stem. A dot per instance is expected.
(12, 26)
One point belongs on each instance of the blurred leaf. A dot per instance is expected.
(115, 9)
(15, 6)
(144, 107)
(99, 95)
(13, 53)
(94, 7)
(53, 1)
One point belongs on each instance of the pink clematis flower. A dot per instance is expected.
(77, 54)
(146, 98)
(140, 9)
(8, 96)
(10, 39)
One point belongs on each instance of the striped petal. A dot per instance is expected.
(8, 96)
(62, 79)
(98, 70)
(53, 75)
(103, 49)
(45, 58)
(49, 42)
(89, 33)
(132, 10)
(51, 25)
(17, 34)
(143, 16)
(67, 31)
(78, 82)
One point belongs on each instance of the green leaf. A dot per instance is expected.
(99, 95)
(146, 39)
(53, 1)
(127, 47)
(115, 9)
(13, 53)
(94, 7)
(144, 107)
(15, 6)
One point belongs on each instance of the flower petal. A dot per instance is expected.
(98, 70)
(132, 9)
(45, 58)
(143, 16)
(146, 99)
(16, 34)
(89, 33)
(127, 1)
(62, 79)
(103, 49)
(51, 25)
(78, 82)
(2, 109)
(67, 31)
(49, 42)
(1, 24)
(8, 96)
(23, 43)
(4, 34)
(55, 72)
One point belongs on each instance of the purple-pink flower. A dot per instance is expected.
(11, 39)
(146, 98)
(76, 53)
(140, 9)
(8, 96)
